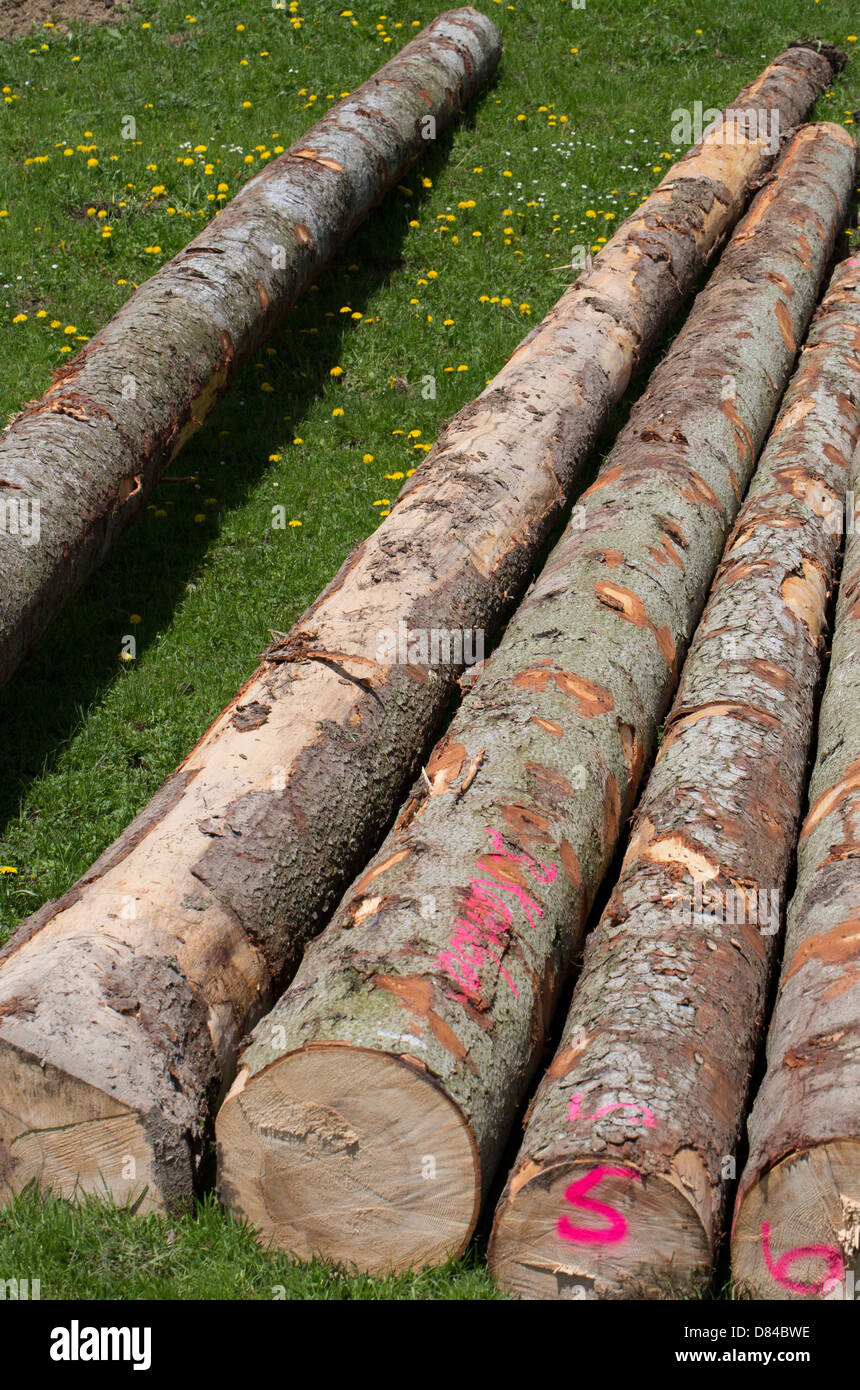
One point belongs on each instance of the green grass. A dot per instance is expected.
(572, 134)
(94, 1250)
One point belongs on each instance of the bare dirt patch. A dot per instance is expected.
(20, 16)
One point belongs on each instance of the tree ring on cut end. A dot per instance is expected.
(350, 1154)
(587, 1228)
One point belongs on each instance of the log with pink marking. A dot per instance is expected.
(796, 1229)
(372, 1105)
(649, 1087)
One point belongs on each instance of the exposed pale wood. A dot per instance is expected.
(453, 944)
(663, 1230)
(371, 1132)
(661, 1038)
(798, 1231)
(49, 1120)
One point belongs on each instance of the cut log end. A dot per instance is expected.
(797, 1231)
(349, 1154)
(585, 1230)
(71, 1137)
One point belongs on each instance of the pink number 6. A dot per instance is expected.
(778, 1269)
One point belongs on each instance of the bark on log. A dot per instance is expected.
(78, 465)
(139, 984)
(370, 1111)
(145, 382)
(797, 1217)
(621, 1181)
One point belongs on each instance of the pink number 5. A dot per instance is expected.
(575, 1194)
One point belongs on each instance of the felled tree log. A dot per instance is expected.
(621, 1182)
(796, 1229)
(78, 465)
(138, 985)
(370, 1110)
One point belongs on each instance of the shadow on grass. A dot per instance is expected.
(75, 662)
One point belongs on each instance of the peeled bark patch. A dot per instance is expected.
(79, 464)
(796, 1230)
(479, 894)
(214, 890)
(621, 1182)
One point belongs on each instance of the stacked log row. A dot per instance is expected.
(620, 1187)
(122, 1005)
(372, 1106)
(796, 1230)
(78, 465)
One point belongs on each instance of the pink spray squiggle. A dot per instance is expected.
(574, 1110)
(486, 917)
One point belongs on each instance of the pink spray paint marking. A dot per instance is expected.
(486, 917)
(574, 1111)
(778, 1269)
(575, 1194)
